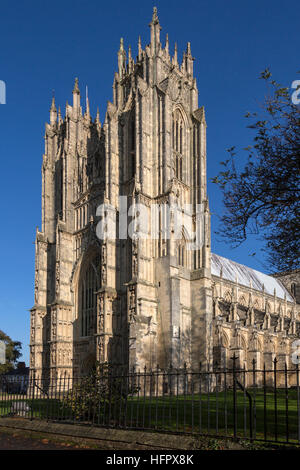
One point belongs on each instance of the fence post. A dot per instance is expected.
(265, 402)
(144, 395)
(244, 401)
(286, 402)
(275, 397)
(217, 396)
(200, 398)
(234, 358)
(184, 394)
(254, 398)
(298, 401)
(32, 400)
(225, 396)
(170, 379)
(156, 394)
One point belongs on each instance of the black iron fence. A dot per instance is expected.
(239, 402)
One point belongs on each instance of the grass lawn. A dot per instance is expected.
(206, 414)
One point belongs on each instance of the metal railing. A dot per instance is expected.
(232, 402)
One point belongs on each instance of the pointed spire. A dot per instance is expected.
(98, 116)
(53, 107)
(76, 95)
(167, 44)
(87, 109)
(66, 110)
(53, 111)
(130, 60)
(188, 60)
(183, 64)
(188, 49)
(155, 19)
(155, 32)
(121, 59)
(175, 56)
(76, 88)
(167, 52)
(60, 120)
(140, 50)
(97, 120)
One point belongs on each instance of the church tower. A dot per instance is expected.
(125, 299)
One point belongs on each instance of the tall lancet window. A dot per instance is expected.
(89, 285)
(132, 145)
(178, 144)
(181, 252)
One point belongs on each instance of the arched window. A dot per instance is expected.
(181, 252)
(87, 298)
(293, 289)
(132, 145)
(178, 144)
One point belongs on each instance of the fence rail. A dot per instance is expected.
(255, 404)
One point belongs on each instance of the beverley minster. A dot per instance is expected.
(143, 301)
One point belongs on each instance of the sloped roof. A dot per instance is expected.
(244, 275)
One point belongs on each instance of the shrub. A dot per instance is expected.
(105, 388)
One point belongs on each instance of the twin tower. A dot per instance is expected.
(131, 301)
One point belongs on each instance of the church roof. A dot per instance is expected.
(249, 277)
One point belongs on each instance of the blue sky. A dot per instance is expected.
(45, 45)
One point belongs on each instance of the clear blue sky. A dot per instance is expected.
(44, 45)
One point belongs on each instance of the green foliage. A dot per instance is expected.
(263, 197)
(95, 393)
(12, 353)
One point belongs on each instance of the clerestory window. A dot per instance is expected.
(178, 144)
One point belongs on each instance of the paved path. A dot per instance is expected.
(16, 442)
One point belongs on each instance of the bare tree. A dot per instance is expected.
(263, 197)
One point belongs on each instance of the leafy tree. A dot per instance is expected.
(12, 352)
(263, 197)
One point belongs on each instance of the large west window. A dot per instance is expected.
(88, 299)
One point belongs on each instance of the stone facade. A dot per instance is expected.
(139, 301)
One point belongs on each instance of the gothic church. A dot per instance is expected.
(146, 301)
